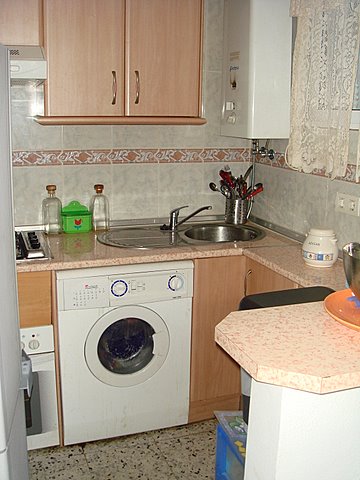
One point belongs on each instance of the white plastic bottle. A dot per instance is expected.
(99, 208)
(51, 211)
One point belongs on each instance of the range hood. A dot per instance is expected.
(27, 65)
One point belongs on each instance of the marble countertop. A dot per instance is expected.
(297, 346)
(281, 254)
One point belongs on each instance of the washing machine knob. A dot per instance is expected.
(176, 282)
(119, 288)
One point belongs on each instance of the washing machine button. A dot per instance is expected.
(119, 288)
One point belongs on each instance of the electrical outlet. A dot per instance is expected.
(347, 204)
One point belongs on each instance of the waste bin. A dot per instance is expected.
(275, 299)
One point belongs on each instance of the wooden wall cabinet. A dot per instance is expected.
(21, 22)
(34, 293)
(84, 48)
(120, 59)
(163, 57)
(215, 377)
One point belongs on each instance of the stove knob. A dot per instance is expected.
(34, 344)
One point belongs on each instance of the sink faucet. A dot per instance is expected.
(174, 217)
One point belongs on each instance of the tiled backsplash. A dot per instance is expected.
(147, 183)
(140, 183)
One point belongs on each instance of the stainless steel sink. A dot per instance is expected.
(223, 233)
(149, 237)
(143, 237)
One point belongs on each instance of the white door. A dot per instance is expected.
(10, 352)
(127, 346)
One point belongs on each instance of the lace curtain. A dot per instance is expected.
(324, 70)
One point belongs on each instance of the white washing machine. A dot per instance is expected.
(124, 343)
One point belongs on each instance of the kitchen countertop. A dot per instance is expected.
(280, 253)
(297, 346)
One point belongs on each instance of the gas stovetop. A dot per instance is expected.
(31, 245)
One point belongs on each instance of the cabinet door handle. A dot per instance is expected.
(114, 87)
(248, 273)
(137, 83)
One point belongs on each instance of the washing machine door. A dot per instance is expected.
(127, 346)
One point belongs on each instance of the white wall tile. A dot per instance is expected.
(86, 137)
(135, 191)
(79, 181)
(29, 191)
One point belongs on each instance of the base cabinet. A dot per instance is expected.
(214, 377)
(260, 279)
(219, 285)
(34, 293)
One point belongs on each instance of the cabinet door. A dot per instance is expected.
(84, 46)
(163, 57)
(20, 22)
(260, 279)
(34, 292)
(215, 377)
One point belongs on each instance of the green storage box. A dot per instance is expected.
(76, 218)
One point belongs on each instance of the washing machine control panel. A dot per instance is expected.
(80, 293)
(129, 288)
(108, 287)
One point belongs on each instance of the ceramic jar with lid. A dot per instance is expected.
(320, 248)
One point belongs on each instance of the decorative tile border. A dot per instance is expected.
(128, 156)
(98, 157)
(41, 159)
(279, 162)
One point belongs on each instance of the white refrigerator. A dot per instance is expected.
(13, 450)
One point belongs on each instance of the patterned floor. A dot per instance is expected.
(171, 454)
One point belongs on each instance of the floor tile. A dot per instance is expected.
(37, 475)
(191, 457)
(64, 451)
(176, 453)
(185, 430)
(114, 443)
(128, 463)
(57, 464)
(71, 474)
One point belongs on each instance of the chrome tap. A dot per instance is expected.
(174, 217)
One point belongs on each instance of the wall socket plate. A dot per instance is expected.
(349, 204)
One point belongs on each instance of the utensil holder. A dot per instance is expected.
(236, 211)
